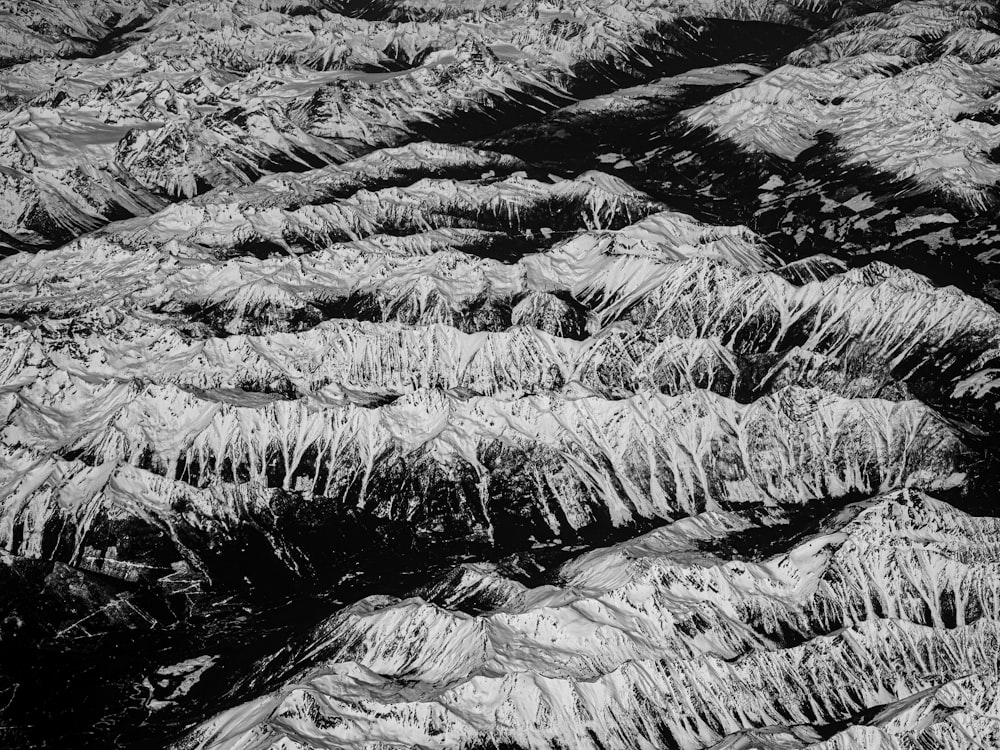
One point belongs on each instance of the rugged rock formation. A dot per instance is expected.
(659, 640)
(499, 374)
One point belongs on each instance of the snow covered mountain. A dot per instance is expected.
(499, 374)
(659, 642)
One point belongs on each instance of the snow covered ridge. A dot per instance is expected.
(180, 465)
(949, 717)
(665, 303)
(639, 366)
(196, 95)
(303, 303)
(31, 29)
(659, 640)
(956, 715)
(911, 91)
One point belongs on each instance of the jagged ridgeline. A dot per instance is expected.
(611, 378)
(499, 375)
(674, 639)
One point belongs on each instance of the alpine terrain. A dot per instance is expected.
(507, 374)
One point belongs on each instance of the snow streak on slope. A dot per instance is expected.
(552, 420)
(443, 467)
(657, 641)
(638, 366)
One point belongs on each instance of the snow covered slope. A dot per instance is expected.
(660, 641)
(203, 94)
(513, 374)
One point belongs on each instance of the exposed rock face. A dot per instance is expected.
(499, 374)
